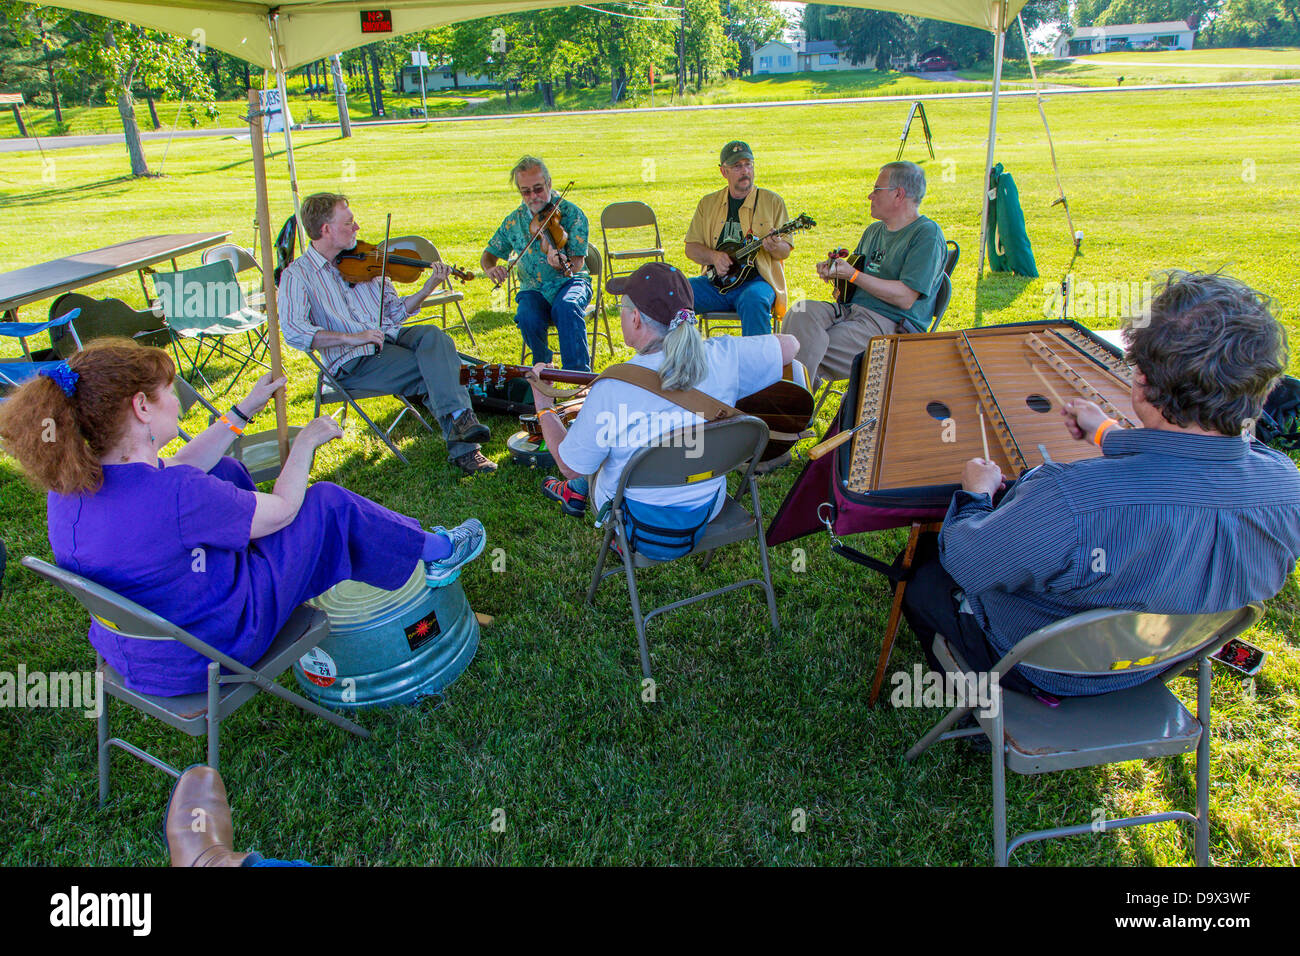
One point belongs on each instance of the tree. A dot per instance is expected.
(752, 24)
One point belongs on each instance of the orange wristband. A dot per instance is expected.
(1104, 427)
(226, 421)
(854, 278)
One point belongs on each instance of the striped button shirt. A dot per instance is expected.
(1164, 521)
(313, 296)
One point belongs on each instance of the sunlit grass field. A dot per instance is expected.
(749, 726)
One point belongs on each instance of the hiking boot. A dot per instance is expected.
(467, 428)
(467, 542)
(572, 503)
(472, 462)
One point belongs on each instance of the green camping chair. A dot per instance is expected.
(207, 307)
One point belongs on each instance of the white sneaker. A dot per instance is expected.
(468, 540)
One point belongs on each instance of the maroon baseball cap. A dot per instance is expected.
(657, 289)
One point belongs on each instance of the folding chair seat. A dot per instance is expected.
(1139, 723)
(595, 313)
(259, 451)
(208, 306)
(330, 392)
(723, 447)
(194, 714)
(628, 216)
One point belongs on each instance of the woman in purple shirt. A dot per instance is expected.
(190, 537)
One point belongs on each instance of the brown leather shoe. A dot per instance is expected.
(467, 428)
(473, 462)
(198, 827)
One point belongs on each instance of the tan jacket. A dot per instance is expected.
(761, 212)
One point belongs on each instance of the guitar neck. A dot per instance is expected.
(486, 374)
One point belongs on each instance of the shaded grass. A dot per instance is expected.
(546, 724)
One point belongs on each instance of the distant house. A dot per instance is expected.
(439, 78)
(803, 57)
(1174, 35)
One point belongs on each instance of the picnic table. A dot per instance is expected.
(48, 279)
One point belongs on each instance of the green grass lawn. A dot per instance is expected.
(750, 726)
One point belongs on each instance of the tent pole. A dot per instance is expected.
(268, 270)
(998, 42)
(288, 134)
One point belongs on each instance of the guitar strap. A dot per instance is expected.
(691, 399)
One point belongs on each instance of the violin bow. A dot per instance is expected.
(531, 239)
(383, 276)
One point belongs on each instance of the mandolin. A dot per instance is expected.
(844, 289)
(743, 254)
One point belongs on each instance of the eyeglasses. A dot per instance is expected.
(541, 190)
(874, 188)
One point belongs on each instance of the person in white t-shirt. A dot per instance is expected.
(617, 418)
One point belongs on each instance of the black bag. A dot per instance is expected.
(284, 244)
(1279, 425)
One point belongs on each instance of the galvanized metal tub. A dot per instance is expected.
(389, 647)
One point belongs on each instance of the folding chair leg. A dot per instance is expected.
(1203, 764)
(934, 733)
(463, 321)
(762, 554)
(214, 715)
(105, 751)
(999, 788)
(600, 563)
(378, 431)
(410, 407)
(637, 619)
(311, 707)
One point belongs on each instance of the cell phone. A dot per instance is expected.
(1245, 659)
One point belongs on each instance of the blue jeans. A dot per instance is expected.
(567, 313)
(752, 300)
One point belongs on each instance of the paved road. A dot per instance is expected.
(15, 145)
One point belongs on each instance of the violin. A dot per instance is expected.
(546, 224)
(365, 261)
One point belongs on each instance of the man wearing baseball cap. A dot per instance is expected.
(617, 417)
(732, 214)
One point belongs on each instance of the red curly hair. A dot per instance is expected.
(58, 438)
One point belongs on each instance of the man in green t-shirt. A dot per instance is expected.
(893, 288)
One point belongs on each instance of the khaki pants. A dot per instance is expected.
(830, 336)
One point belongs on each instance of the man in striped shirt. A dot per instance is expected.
(1188, 514)
(358, 330)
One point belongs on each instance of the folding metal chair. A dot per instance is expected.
(1135, 724)
(623, 216)
(208, 306)
(724, 447)
(446, 293)
(330, 392)
(259, 451)
(195, 714)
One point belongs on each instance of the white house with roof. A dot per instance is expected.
(438, 77)
(1173, 35)
(799, 56)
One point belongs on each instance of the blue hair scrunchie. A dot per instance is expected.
(63, 376)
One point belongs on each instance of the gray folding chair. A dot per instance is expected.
(195, 714)
(445, 295)
(1142, 722)
(259, 451)
(595, 313)
(629, 215)
(724, 447)
(330, 392)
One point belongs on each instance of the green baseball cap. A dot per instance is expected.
(735, 151)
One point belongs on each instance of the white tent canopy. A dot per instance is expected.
(309, 30)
